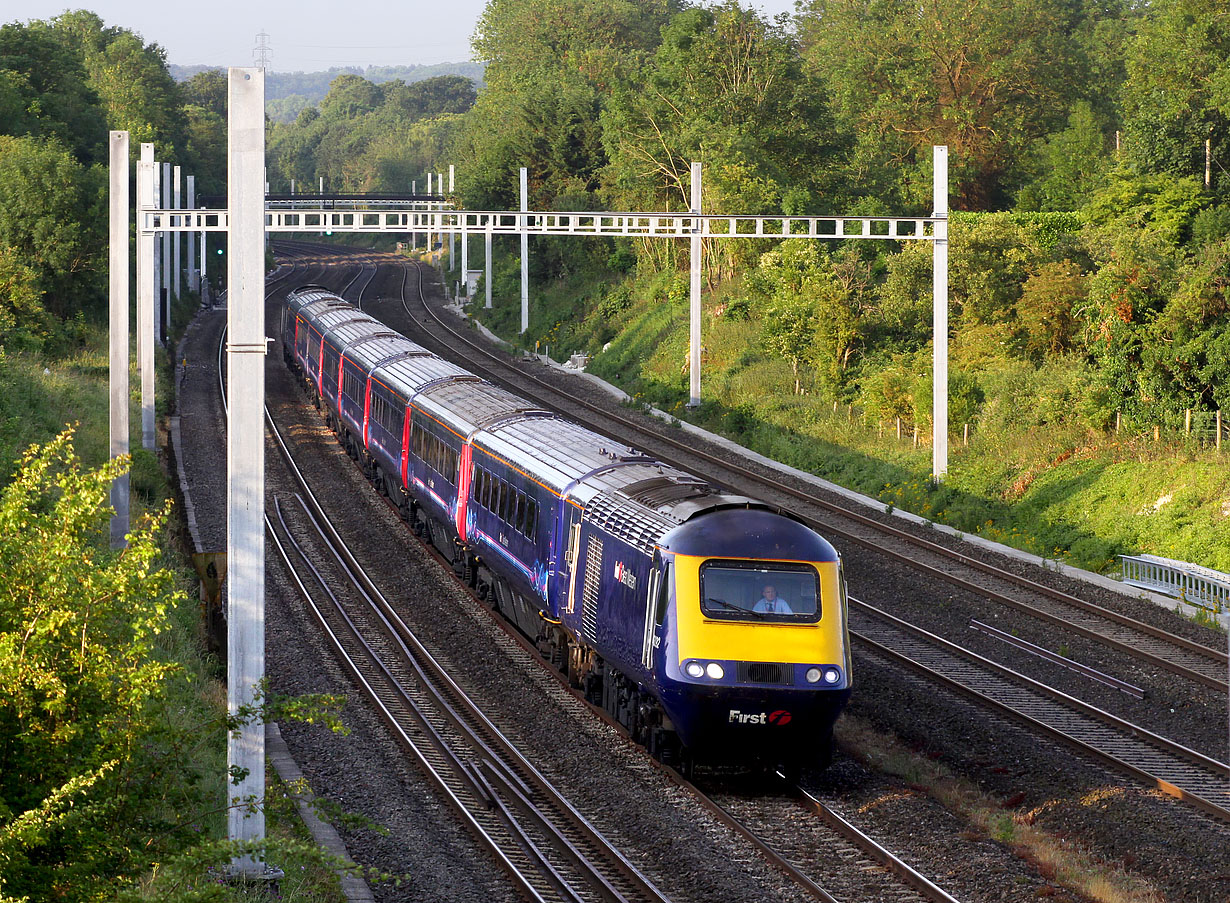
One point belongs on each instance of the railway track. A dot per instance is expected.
(1171, 767)
(1174, 769)
(1196, 662)
(861, 865)
(548, 849)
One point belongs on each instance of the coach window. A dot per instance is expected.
(531, 517)
(664, 593)
(520, 522)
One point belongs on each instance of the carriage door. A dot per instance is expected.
(651, 599)
(574, 547)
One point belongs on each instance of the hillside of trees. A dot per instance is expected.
(287, 94)
(1089, 255)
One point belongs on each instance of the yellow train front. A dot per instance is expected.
(752, 654)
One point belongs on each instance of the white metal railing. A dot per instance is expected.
(1185, 581)
(314, 218)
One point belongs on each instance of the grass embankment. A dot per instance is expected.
(1062, 493)
(39, 396)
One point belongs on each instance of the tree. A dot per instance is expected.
(349, 97)
(725, 88)
(550, 69)
(430, 97)
(21, 300)
(812, 308)
(991, 256)
(51, 214)
(58, 101)
(1177, 92)
(1071, 162)
(1137, 272)
(984, 78)
(207, 90)
(1047, 309)
(78, 674)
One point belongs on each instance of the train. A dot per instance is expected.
(712, 626)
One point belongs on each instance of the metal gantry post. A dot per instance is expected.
(164, 302)
(118, 333)
(465, 258)
(245, 456)
(452, 233)
(487, 280)
(175, 236)
(939, 246)
(194, 277)
(694, 328)
(428, 237)
(147, 286)
(525, 251)
(159, 237)
(204, 258)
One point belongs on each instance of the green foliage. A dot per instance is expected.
(51, 219)
(368, 137)
(1176, 93)
(85, 766)
(1047, 309)
(991, 256)
(63, 84)
(984, 78)
(50, 78)
(1070, 161)
(1160, 203)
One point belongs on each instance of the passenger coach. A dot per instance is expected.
(645, 584)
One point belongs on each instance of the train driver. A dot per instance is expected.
(771, 603)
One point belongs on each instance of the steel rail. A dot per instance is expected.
(847, 831)
(479, 730)
(469, 777)
(1174, 769)
(446, 760)
(489, 773)
(1209, 670)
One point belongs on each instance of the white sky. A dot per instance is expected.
(304, 35)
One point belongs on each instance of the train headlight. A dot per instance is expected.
(714, 670)
(694, 669)
(832, 676)
(813, 675)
